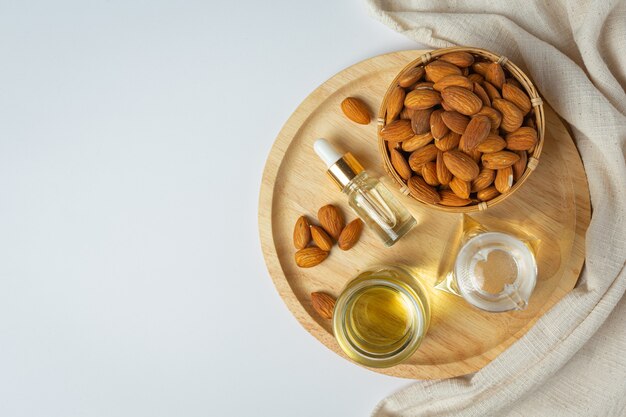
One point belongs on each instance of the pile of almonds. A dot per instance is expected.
(332, 228)
(459, 130)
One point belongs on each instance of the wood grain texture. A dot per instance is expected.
(552, 205)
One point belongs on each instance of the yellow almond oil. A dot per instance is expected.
(381, 316)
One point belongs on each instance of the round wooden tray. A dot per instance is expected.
(553, 205)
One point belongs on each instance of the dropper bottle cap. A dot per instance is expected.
(342, 169)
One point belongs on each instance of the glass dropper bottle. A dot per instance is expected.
(367, 196)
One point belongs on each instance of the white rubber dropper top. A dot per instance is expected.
(326, 152)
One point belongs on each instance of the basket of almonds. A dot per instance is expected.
(460, 129)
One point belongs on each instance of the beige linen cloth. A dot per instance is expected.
(573, 361)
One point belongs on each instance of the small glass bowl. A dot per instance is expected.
(381, 316)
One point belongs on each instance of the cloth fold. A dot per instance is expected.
(573, 361)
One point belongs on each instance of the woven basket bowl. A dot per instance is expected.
(533, 158)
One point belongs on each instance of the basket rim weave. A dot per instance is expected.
(536, 102)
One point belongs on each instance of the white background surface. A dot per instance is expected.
(133, 136)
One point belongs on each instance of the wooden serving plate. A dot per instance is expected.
(553, 205)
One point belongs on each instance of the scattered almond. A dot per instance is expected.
(321, 238)
(350, 234)
(356, 110)
(331, 220)
(323, 304)
(310, 257)
(301, 233)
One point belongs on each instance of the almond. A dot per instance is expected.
(504, 179)
(480, 92)
(476, 78)
(331, 220)
(397, 131)
(420, 122)
(422, 99)
(516, 96)
(520, 166)
(461, 165)
(512, 116)
(350, 234)
(417, 142)
(301, 233)
(448, 198)
(400, 164)
(487, 194)
(411, 76)
(444, 176)
(491, 91)
(395, 103)
(321, 238)
(406, 113)
(514, 82)
(436, 70)
(483, 180)
(309, 257)
(522, 139)
(462, 100)
(323, 304)
(437, 127)
(493, 143)
(495, 74)
(480, 67)
(355, 110)
(460, 188)
(424, 85)
(455, 121)
(429, 173)
(453, 80)
(494, 116)
(422, 191)
(499, 160)
(448, 142)
(460, 59)
(476, 132)
(421, 156)
(445, 106)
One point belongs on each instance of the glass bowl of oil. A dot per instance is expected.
(381, 316)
